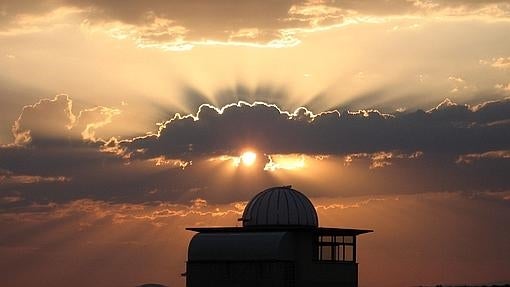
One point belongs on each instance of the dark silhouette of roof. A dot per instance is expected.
(280, 206)
(318, 230)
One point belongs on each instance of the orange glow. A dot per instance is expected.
(289, 162)
(248, 158)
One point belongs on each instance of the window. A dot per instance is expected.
(336, 248)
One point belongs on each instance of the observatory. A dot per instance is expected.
(280, 243)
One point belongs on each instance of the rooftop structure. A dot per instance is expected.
(280, 206)
(279, 244)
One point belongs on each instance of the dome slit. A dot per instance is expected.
(256, 202)
(269, 208)
(278, 207)
(287, 206)
(315, 218)
(297, 211)
(263, 207)
(250, 207)
(307, 218)
(301, 205)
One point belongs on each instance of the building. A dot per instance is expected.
(280, 243)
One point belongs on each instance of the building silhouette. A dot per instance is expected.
(280, 243)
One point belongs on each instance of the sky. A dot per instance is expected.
(123, 124)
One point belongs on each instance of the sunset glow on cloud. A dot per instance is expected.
(123, 124)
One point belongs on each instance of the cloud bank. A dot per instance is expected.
(55, 157)
(181, 25)
(447, 128)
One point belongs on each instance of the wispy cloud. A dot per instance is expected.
(497, 154)
(499, 63)
(177, 26)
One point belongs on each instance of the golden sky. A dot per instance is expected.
(122, 124)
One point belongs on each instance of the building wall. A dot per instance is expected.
(296, 267)
(240, 273)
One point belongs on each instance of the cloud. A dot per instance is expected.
(503, 87)
(182, 25)
(46, 118)
(460, 85)
(288, 162)
(121, 213)
(89, 120)
(8, 178)
(162, 161)
(356, 204)
(449, 128)
(178, 26)
(51, 120)
(97, 230)
(197, 156)
(499, 63)
(10, 199)
(35, 17)
(470, 158)
(380, 159)
(456, 79)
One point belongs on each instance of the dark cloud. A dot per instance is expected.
(449, 147)
(195, 13)
(448, 128)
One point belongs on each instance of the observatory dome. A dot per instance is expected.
(279, 206)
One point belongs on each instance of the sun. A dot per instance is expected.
(248, 158)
